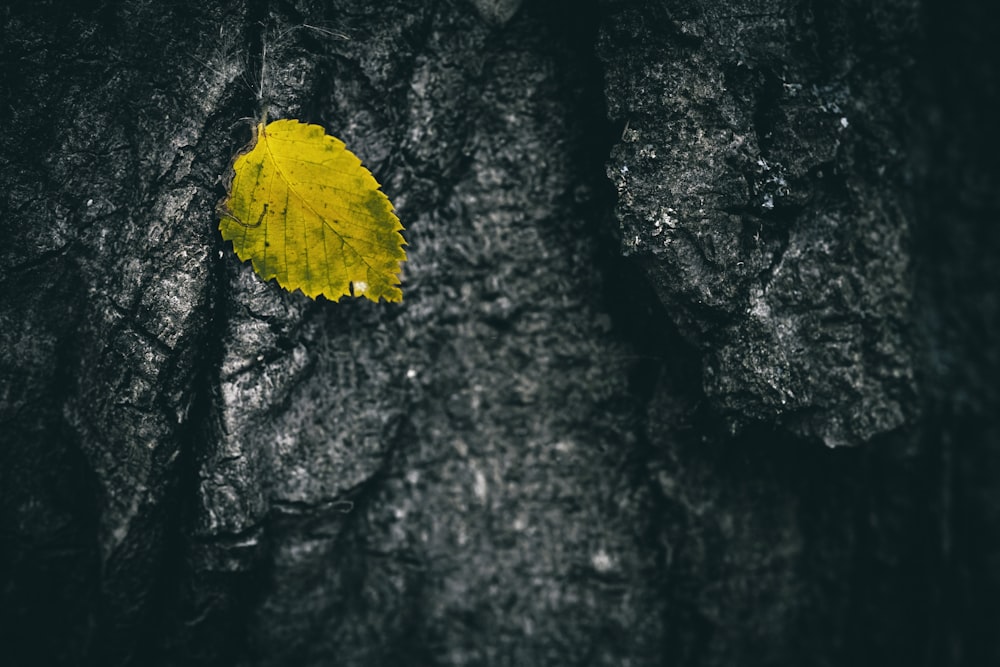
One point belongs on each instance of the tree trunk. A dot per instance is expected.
(695, 364)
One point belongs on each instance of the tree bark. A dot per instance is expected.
(695, 363)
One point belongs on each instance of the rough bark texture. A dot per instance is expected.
(592, 434)
(760, 179)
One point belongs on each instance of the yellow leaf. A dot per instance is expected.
(304, 211)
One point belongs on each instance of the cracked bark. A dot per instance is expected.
(549, 453)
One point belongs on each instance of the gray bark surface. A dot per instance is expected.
(665, 261)
(760, 179)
